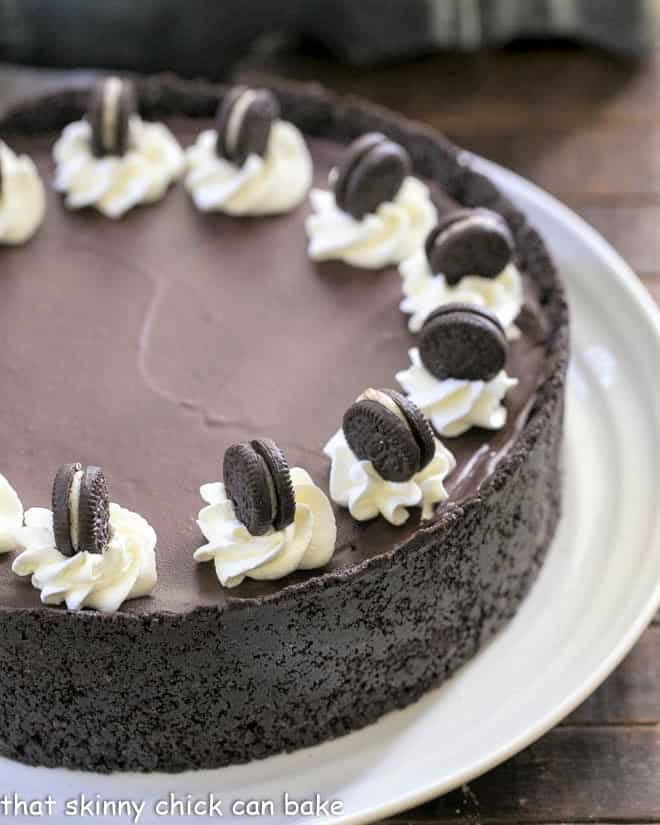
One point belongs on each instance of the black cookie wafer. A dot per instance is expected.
(93, 510)
(61, 509)
(248, 485)
(370, 173)
(469, 242)
(243, 122)
(278, 468)
(112, 104)
(386, 429)
(419, 425)
(258, 483)
(464, 342)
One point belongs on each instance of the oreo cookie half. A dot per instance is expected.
(112, 104)
(258, 483)
(81, 510)
(469, 242)
(464, 342)
(243, 123)
(386, 428)
(370, 173)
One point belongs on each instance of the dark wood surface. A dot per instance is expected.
(587, 129)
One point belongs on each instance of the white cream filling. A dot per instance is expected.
(489, 221)
(384, 400)
(235, 119)
(74, 508)
(110, 110)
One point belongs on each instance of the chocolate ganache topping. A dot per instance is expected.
(171, 400)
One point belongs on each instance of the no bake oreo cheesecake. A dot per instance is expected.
(321, 364)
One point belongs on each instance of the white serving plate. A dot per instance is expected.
(597, 592)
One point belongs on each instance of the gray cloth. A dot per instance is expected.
(204, 37)
(368, 31)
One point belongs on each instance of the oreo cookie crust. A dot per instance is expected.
(229, 676)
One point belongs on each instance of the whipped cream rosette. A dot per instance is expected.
(376, 214)
(457, 375)
(265, 520)
(113, 160)
(22, 197)
(467, 258)
(11, 515)
(453, 406)
(423, 292)
(385, 460)
(252, 163)
(86, 552)
(356, 485)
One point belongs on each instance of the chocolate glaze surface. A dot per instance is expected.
(157, 341)
(150, 344)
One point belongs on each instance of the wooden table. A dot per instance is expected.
(586, 128)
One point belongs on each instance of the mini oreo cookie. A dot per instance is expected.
(387, 429)
(61, 509)
(370, 173)
(463, 342)
(112, 104)
(469, 242)
(258, 483)
(278, 468)
(243, 123)
(85, 489)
